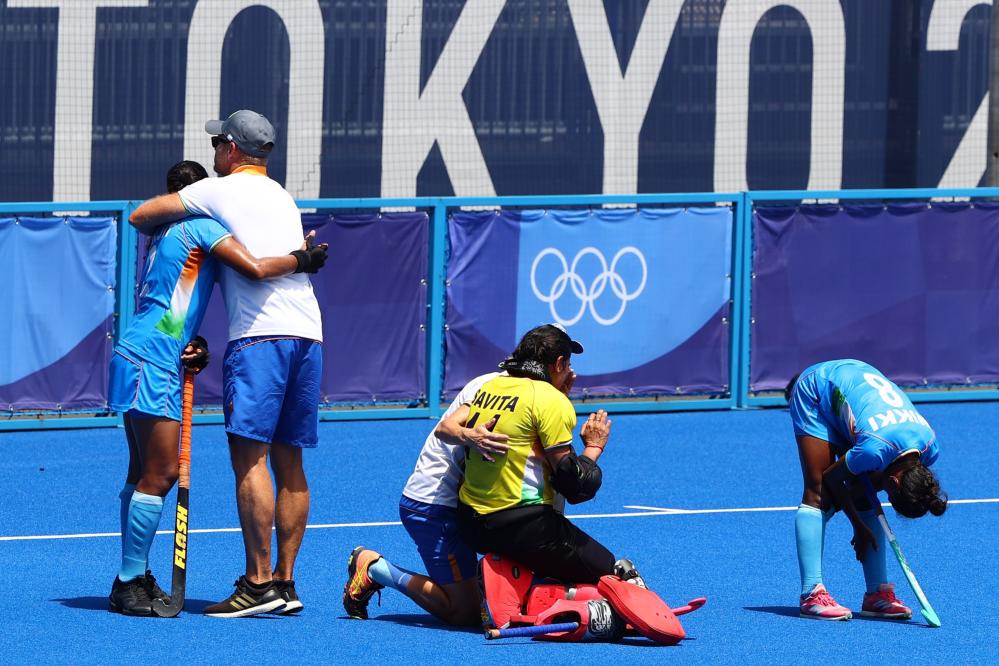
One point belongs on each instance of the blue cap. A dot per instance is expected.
(249, 130)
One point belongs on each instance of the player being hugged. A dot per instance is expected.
(508, 503)
(145, 373)
(849, 420)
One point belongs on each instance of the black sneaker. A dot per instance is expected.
(247, 600)
(286, 588)
(154, 590)
(626, 571)
(131, 598)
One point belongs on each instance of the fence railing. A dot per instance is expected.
(743, 204)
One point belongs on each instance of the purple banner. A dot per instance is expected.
(646, 291)
(372, 293)
(912, 289)
(59, 276)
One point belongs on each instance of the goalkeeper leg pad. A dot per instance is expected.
(504, 585)
(643, 610)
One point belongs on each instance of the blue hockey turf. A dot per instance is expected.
(60, 513)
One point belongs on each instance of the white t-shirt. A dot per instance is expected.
(438, 469)
(263, 217)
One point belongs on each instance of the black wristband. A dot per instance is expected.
(302, 257)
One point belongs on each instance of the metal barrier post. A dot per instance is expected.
(741, 266)
(436, 276)
(125, 275)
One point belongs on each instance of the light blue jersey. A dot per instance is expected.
(866, 417)
(176, 285)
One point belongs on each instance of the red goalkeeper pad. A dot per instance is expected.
(643, 610)
(504, 585)
(543, 595)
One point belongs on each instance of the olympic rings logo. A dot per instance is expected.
(608, 277)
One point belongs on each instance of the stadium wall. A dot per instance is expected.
(402, 98)
(684, 301)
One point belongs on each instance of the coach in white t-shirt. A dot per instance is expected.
(273, 363)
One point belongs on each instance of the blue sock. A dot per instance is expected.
(809, 532)
(389, 575)
(143, 519)
(875, 561)
(124, 497)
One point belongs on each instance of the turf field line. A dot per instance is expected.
(654, 510)
(205, 530)
(643, 511)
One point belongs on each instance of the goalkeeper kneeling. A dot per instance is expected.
(507, 502)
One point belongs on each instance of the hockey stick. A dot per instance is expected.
(178, 584)
(924, 604)
(527, 632)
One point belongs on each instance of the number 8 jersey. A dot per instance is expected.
(866, 417)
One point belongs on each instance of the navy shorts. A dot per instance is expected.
(270, 389)
(141, 389)
(434, 529)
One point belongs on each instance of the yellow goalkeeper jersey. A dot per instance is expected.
(536, 416)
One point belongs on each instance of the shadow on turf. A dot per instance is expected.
(792, 611)
(191, 606)
(786, 611)
(430, 622)
(422, 621)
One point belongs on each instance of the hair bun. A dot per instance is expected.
(938, 505)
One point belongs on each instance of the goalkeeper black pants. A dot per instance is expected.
(540, 538)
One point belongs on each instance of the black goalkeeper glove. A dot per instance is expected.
(196, 359)
(312, 258)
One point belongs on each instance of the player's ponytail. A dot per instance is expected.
(918, 492)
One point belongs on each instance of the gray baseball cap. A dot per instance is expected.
(249, 130)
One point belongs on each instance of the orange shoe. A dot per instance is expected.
(360, 588)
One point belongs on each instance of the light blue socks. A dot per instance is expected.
(809, 532)
(143, 518)
(875, 561)
(389, 575)
(125, 497)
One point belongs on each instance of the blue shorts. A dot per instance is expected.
(270, 389)
(139, 388)
(434, 529)
(806, 413)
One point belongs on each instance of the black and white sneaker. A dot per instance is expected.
(286, 588)
(626, 571)
(131, 598)
(247, 600)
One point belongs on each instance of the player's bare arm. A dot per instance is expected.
(156, 212)
(453, 430)
(309, 259)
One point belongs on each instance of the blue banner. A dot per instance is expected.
(372, 295)
(59, 278)
(911, 288)
(646, 292)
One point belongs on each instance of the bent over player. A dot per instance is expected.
(849, 419)
(145, 374)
